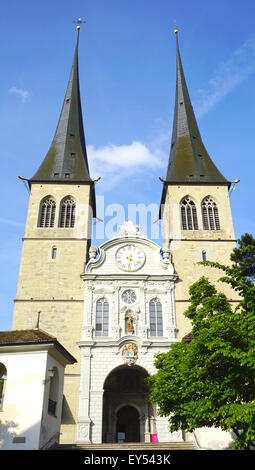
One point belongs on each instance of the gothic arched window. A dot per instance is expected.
(67, 213)
(188, 214)
(210, 214)
(47, 212)
(102, 317)
(156, 318)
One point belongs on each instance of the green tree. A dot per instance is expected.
(210, 379)
(244, 255)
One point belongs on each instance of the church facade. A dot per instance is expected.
(130, 316)
(115, 306)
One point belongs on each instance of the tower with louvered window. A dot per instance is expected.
(195, 207)
(56, 241)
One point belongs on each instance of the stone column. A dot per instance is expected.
(147, 436)
(84, 431)
(96, 413)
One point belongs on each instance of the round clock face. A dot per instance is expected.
(128, 297)
(130, 258)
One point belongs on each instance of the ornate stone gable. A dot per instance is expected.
(130, 245)
(128, 277)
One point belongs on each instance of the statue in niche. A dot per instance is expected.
(129, 322)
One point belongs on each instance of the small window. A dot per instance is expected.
(3, 376)
(54, 391)
(54, 253)
(102, 317)
(204, 255)
(156, 319)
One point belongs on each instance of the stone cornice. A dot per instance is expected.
(130, 277)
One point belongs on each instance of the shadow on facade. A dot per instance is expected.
(7, 433)
(67, 416)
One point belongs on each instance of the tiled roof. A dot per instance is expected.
(30, 337)
(25, 336)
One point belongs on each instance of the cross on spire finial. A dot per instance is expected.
(79, 21)
(176, 31)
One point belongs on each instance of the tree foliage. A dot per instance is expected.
(244, 255)
(210, 380)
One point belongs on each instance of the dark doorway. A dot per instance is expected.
(128, 425)
(125, 388)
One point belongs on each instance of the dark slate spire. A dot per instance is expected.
(66, 160)
(189, 161)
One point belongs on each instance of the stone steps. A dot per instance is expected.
(157, 446)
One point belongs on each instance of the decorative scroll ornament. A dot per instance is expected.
(129, 353)
(128, 229)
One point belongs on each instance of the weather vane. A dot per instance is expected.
(79, 21)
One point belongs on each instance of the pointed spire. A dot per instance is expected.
(189, 161)
(66, 160)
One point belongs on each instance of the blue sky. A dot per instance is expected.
(127, 79)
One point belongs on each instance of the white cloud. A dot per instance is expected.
(22, 93)
(122, 161)
(238, 68)
(123, 156)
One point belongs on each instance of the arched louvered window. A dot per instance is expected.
(156, 318)
(3, 376)
(102, 317)
(67, 213)
(47, 212)
(188, 214)
(210, 214)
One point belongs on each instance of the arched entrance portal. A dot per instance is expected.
(128, 425)
(128, 415)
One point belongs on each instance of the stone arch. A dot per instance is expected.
(126, 386)
(128, 424)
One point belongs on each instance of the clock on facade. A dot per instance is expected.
(130, 258)
(128, 296)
